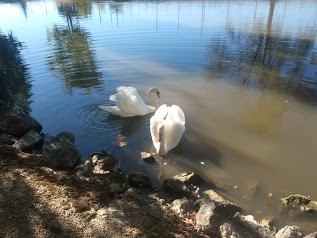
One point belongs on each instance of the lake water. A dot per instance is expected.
(244, 72)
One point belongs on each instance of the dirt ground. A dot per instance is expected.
(38, 201)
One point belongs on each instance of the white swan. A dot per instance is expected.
(129, 103)
(167, 126)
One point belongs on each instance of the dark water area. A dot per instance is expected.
(14, 78)
(244, 73)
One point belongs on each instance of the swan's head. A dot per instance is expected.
(153, 91)
(160, 131)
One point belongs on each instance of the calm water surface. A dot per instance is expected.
(244, 72)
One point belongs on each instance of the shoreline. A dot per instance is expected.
(101, 182)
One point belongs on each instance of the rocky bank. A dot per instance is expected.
(47, 190)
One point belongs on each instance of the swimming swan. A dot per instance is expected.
(129, 103)
(167, 126)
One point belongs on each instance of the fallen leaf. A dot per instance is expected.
(120, 141)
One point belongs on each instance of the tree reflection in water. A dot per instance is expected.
(270, 60)
(72, 56)
(14, 76)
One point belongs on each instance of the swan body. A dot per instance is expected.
(167, 126)
(129, 103)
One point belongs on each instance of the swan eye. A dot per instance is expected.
(158, 93)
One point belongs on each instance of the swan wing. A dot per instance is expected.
(174, 127)
(129, 102)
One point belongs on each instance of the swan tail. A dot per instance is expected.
(112, 98)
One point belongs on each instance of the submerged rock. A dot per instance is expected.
(297, 204)
(19, 123)
(147, 157)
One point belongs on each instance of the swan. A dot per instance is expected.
(129, 103)
(167, 126)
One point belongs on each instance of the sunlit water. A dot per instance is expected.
(244, 73)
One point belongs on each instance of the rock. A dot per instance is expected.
(94, 159)
(139, 180)
(132, 194)
(147, 157)
(176, 188)
(6, 139)
(210, 196)
(182, 207)
(244, 227)
(66, 136)
(31, 140)
(289, 232)
(61, 151)
(189, 178)
(19, 123)
(297, 204)
(199, 202)
(102, 153)
(213, 196)
(105, 164)
(312, 235)
(84, 169)
(116, 190)
(268, 223)
(211, 215)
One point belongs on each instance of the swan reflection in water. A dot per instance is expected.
(129, 125)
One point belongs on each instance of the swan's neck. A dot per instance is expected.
(150, 97)
(161, 147)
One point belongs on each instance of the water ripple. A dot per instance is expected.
(95, 118)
